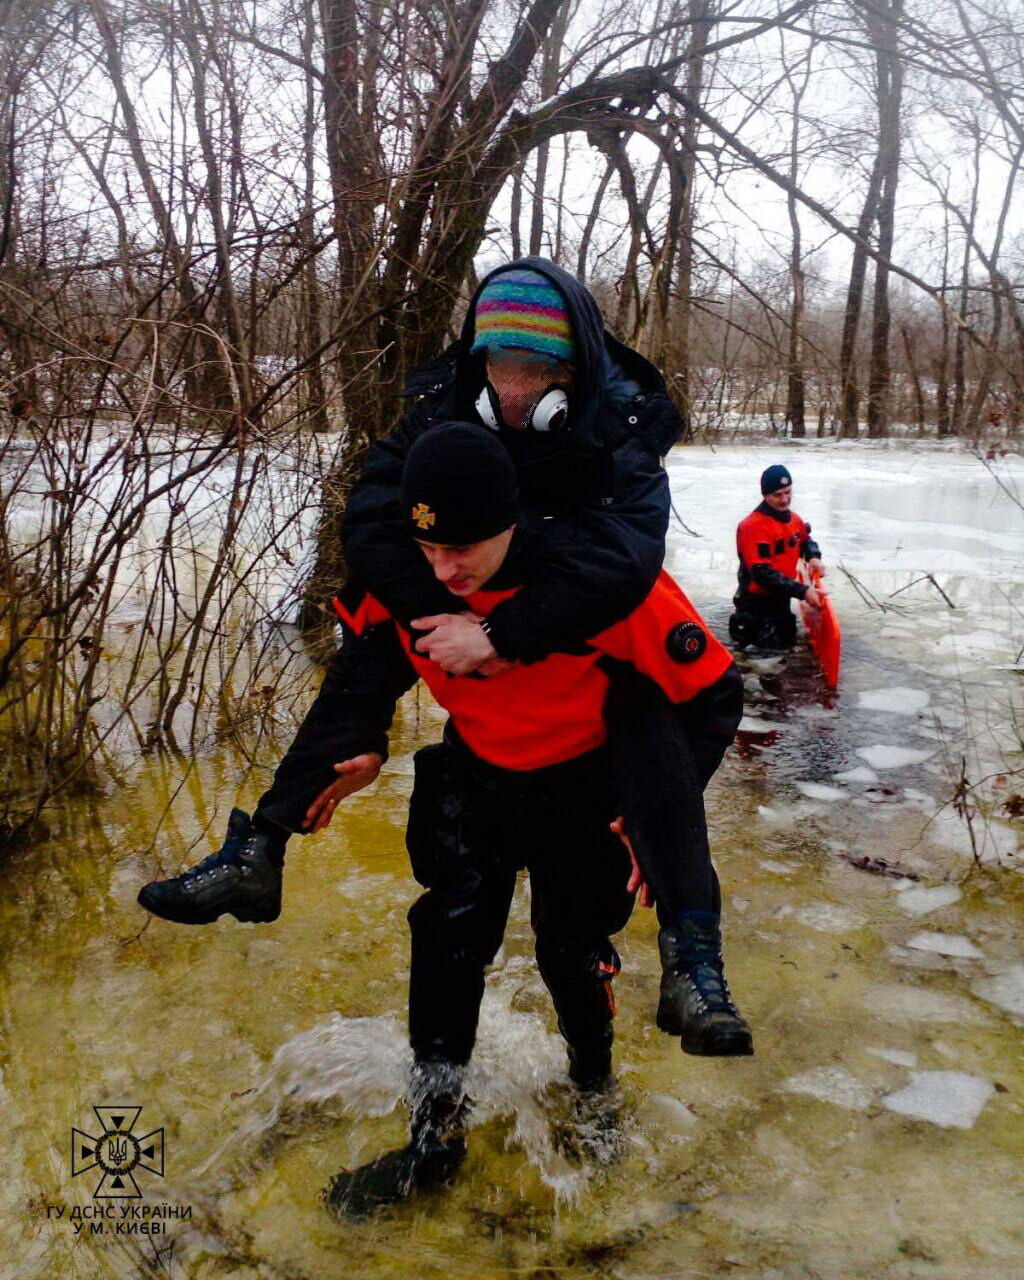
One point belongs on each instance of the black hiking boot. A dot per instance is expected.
(436, 1149)
(243, 878)
(695, 1002)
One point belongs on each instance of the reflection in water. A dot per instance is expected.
(881, 973)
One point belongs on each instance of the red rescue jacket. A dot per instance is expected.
(547, 712)
(769, 549)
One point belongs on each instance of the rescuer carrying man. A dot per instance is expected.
(770, 543)
(585, 420)
(523, 778)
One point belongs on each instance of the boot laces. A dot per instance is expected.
(710, 985)
(217, 864)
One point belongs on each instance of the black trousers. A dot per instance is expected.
(767, 622)
(664, 757)
(471, 828)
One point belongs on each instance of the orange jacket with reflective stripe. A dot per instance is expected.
(547, 712)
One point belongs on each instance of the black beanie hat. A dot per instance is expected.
(459, 485)
(773, 478)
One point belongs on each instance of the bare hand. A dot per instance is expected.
(815, 597)
(354, 774)
(636, 882)
(455, 642)
(816, 566)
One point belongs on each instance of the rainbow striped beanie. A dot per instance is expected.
(522, 310)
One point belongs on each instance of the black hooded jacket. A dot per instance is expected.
(596, 491)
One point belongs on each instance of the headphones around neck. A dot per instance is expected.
(550, 413)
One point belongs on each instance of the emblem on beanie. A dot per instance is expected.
(422, 516)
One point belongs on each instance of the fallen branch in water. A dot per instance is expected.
(925, 577)
(869, 598)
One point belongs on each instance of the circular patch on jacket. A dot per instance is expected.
(686, 642)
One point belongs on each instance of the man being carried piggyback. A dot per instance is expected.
(524, 777)
(584, 421)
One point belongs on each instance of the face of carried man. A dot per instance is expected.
(468, 568)
(780, 499)
(520, 378)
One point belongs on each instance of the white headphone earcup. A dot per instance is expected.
(551, 410)
(488, 408)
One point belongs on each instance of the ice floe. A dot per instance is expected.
(777, 868)
(974, 643)
(920, 1004)
(897, 701)
(750, 724)
(676, 1112)
(828, 919)
(831, 1084)
(898, 1057)
(946, 944)
(819, 791)
(952, 1099)
(861, 773)
(886, 755)
(918, 900)
(1006, 990)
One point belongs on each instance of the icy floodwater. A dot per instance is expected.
(877, 1133)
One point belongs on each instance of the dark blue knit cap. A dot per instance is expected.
(773, 478)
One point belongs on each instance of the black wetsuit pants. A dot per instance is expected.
(471, 828)
(662, 758)
(767, 622)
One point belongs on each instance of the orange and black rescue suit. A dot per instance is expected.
(770, 545)
(524, 778)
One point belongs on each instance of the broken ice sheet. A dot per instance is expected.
(918, 900)
(751, 724)
(829, 919)
(898, 1057)
(946, 944)
(1005, 990)
(952, 1099)
(861, 773)
(818, 791)
(777, 868)
(885, 755)
(831, 1084)
(915, 1002)
(677, 1113)
(897, 701)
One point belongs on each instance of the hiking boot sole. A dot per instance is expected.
(241, 914)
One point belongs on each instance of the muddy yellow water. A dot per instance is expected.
(872, 938)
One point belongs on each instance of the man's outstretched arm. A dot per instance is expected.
(347, 725)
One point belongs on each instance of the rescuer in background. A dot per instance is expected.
(771, 542)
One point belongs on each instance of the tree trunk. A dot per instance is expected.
(890, 93)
